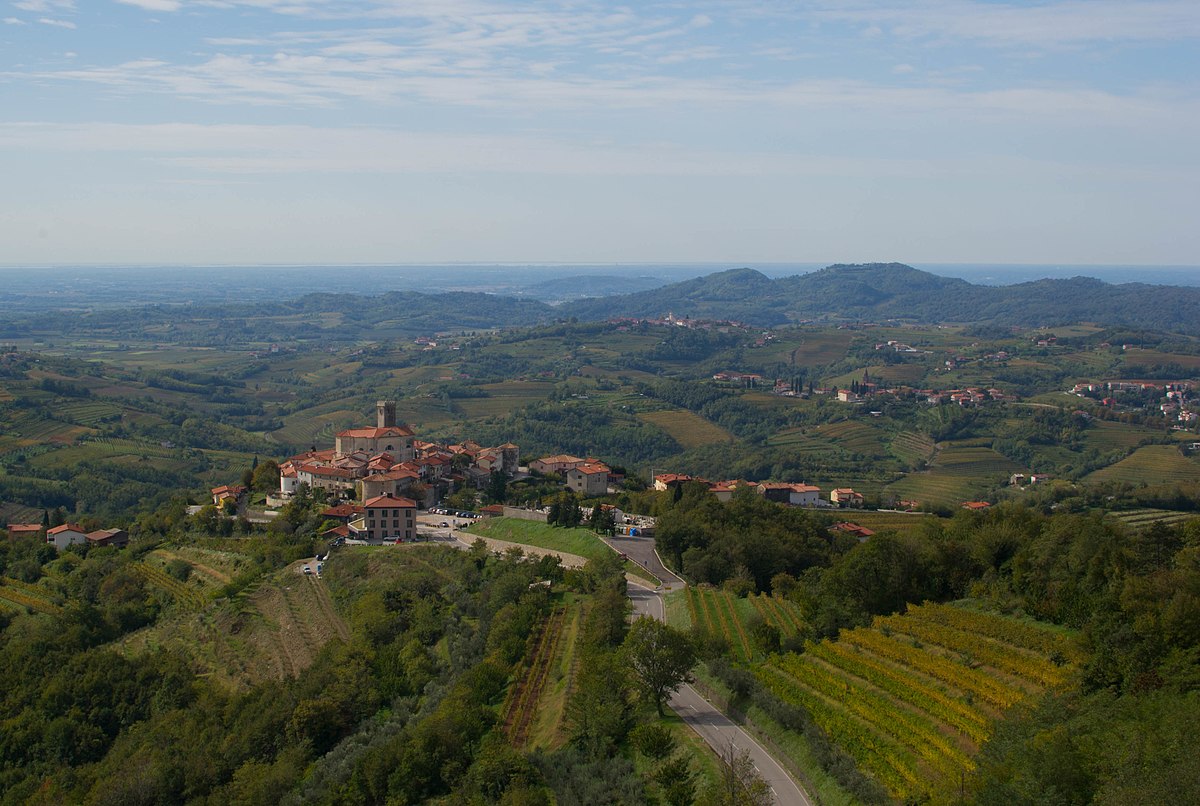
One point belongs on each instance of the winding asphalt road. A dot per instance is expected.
(704, 717)
(712, 725)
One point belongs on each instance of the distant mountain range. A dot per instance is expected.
(877, 291)
(870, 292)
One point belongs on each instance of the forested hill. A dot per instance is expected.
(892, 290)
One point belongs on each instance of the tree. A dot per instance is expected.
(740, 784)
(497, 488)
(661, 658)
(266, 477)
(602, 521)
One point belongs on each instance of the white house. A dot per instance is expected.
(804, 495)
(66, 535)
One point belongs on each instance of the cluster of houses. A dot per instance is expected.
(69, 534)
(1177, 401)
(387, 460)
(390, 472)
(797, 495)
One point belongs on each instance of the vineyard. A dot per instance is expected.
(1151, 464)
(912, 697)
(21, 595)
(722, 614)
(180, 592)
(1143, 518)
(521, 706)
(687, 428)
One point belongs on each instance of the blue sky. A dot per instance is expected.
(230, 131)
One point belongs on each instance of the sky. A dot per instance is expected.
(413, 131)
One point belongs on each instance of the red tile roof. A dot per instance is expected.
(389, 502)
(377, 433)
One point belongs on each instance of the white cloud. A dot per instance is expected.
(1049, 24)
(14, 21)
(44, 6)
(56, 23)
(154, 5)
(902, 69)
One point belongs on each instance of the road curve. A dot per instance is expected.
(716, 728)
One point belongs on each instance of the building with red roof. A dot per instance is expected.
(386, 516)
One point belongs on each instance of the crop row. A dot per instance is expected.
(890, 763)
(906, 687)
(527, 691)
(910, 729)
(25, 599)
(953, 673)
(779, 613)
(977, 649)
(1010, 631)
(721, 618)
(160, 579)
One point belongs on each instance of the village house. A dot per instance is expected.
(976, 506)
(861, 532)
(66, 535)
(392, 483)
(846, 497)
(724, 490)
(589, 478)
(666, 481)
(227, 492)
(117, 538)
(804, 495)
(560, 463)
(388, 517)
(24, 530)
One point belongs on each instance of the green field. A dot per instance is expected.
(1151, 464)
(580, 542)
(687, 428)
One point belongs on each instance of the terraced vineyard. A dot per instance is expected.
(687, 428)
(18, 595)
(912, 697)
(185, 596)
(959, 472)
(1151, 464)
(912, 448)
(1143, 518)
(89, 413)
(521, 706)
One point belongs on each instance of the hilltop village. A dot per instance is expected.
(377, 478)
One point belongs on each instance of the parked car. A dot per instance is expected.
(307, 570)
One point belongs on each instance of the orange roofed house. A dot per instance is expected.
(589, 478)
(555, 464)
(385, 516)
(24, 530)
(846, 497)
